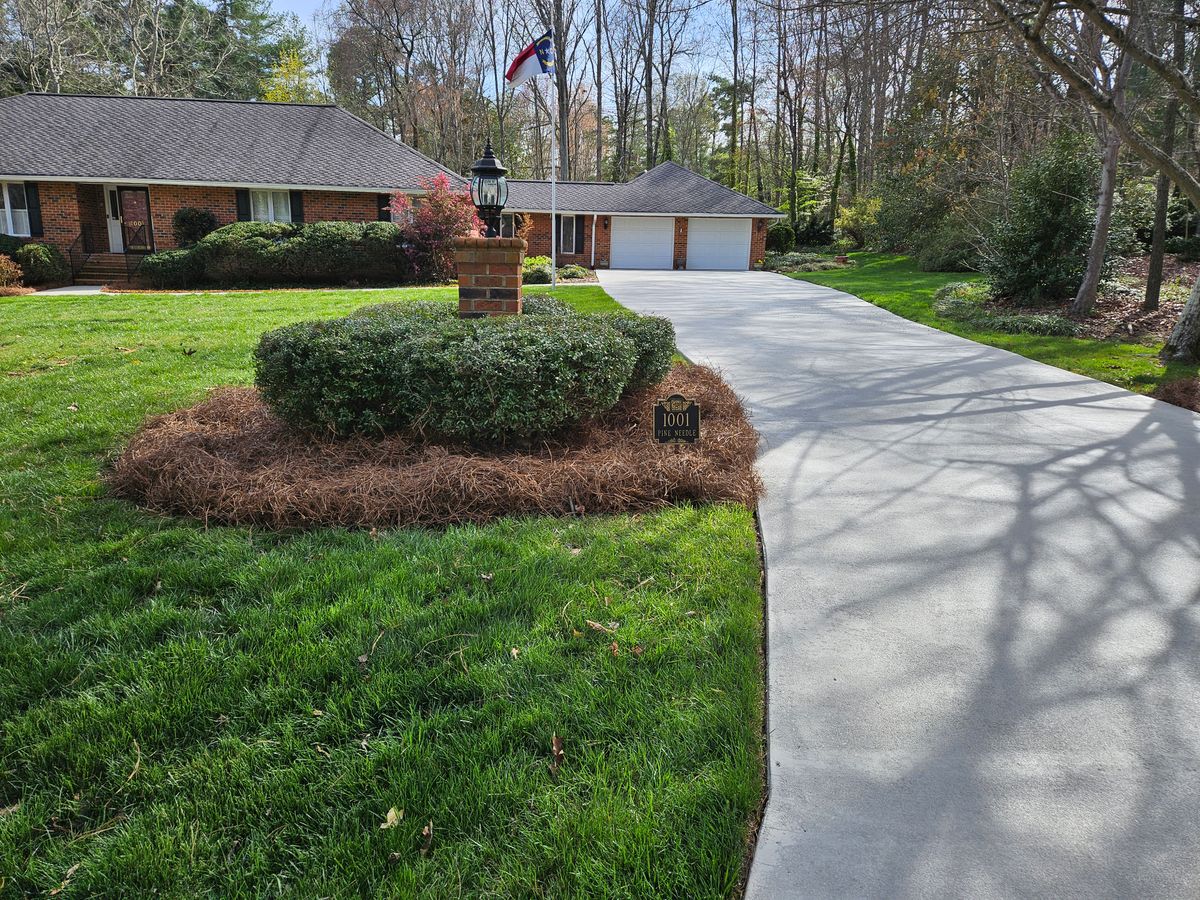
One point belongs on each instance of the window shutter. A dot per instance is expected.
(33, 202)
(579, 224)
(383, 203)
(243, 205)
(297, 203)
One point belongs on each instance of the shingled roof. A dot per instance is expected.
(228, 142)
(667, 189)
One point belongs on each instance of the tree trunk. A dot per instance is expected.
(1184, 342)
(1085, 297)
(1163, 188)
(737, 100)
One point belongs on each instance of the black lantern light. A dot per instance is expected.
(489, 189)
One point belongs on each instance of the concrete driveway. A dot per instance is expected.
(983, 604)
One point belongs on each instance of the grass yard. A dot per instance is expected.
(896, 284)
(228, 712)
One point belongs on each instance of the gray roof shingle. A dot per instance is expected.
(212, 141)
(667, 189)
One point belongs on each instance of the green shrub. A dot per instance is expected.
(10, 272)
(170, 269)
(781, 238)
(857, 222)
(1188, 248)
(42, 263)
(967, 302)
(1039, 253)
(653, 339)
(572, 271)
(9, 245)
(946, 248)
(536, 275)
(190, 224)
(265, 253)
(533, 262)
(418, 366)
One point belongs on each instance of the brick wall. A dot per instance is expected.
(60, 213)
(758, 240)
(679, 254)
(66, 207)
(538, 237)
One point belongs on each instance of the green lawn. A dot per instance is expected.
(233, 712)
(896, 284)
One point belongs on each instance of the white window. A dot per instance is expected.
(566, 234)
(14, 213)
(509, 225)
(270, 206)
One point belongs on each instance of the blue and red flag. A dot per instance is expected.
(536, 59)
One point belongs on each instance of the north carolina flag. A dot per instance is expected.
(536, 59)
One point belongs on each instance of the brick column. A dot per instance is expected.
(489, 276)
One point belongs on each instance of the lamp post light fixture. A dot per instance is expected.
(489, 189)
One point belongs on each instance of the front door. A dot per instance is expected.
(112, 215)
(134, 206)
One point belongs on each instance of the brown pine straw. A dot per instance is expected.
(230, 460)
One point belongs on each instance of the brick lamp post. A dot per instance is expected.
(489, 268)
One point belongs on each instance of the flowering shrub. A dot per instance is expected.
(432, 224)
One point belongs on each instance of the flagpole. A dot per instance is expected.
(554, 160)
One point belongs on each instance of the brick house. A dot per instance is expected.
(666, 218)
(102, 177)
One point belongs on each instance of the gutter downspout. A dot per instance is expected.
(593, 241)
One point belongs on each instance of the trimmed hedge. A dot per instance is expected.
(483, 381)
(276, 253)
(43, 264)
(191, 224)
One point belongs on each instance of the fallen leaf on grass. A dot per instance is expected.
(637, 650)
(616, 651)
(393, 818)
(74, 407)
(323, 750)
(575, 632)
(427, 834)
(515, 652)
(189, 351)
(9, 810)
(556, 754)
(66, 880)
(486, 576)
(575, 551)
(607, 629)
(318, 713)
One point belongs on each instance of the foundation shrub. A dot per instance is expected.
(414, 366)
(653, 338)
(190, 224)
(42, 264)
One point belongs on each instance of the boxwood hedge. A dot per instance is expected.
(418, 366)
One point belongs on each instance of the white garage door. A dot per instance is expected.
(718, 244)
(642, 242)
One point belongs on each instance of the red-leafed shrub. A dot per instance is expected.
(431, 225)
(10, 272)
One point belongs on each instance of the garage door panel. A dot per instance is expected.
(715, 243)
(642, 242)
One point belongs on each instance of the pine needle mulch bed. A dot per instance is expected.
(229, 711)
(230, 460)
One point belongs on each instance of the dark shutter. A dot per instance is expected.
(297, 203)
(33, 203)
(383, 203)
(579, 225)
(243, 205)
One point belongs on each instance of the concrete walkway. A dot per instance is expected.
(983, 605)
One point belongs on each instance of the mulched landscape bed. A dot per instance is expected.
(231, 460)
(1118, 315)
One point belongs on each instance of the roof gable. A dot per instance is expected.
(211, 141)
